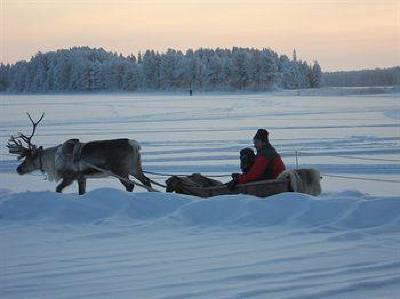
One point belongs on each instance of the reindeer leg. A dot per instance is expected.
(64, 183)
(144, 179)
(129, 187)
(137, 172)
(82, 186)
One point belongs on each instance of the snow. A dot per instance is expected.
(113, 244)
(109, 243)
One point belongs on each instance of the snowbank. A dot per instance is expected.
(346, 210)
(110, 243)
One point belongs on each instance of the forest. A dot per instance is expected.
(95, 69)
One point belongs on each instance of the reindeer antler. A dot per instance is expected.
(34, 124)
(15, 145)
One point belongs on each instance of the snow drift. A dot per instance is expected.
(110, 243)
(345, 210)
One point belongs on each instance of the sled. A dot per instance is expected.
(201, 186)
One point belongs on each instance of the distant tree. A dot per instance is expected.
(139, 59)
(215, 72)
(4, 70)
(96, 76)
(240, 66)
(131, 79)
(189, 69)
(151, 70)
(315, 75)
(168, 70)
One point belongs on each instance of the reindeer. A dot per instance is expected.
(78, 161)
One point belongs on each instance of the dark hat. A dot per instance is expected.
(262, 135)
(247, 158)
(247, 152)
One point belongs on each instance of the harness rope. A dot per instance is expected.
(157, 183)
(127, 180)
(171, 174)
(362, 179)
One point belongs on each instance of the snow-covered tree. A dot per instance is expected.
(240, 65)
(315, 76)
(4, 71)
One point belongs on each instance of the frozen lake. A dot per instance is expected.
(113, 244)
(204, 133)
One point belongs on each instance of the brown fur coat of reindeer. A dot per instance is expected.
(75, 161)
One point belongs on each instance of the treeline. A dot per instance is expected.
(88, 69)
(364, 78)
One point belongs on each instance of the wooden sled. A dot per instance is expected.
(201, 186)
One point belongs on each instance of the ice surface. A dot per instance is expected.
(113, 244)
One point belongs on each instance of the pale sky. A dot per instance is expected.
(340, 34)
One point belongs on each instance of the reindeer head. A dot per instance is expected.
(27, 151)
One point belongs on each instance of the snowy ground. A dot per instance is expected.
(111, 244)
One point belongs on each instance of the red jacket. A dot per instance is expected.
(260, 167)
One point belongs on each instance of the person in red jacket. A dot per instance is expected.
(267, 165)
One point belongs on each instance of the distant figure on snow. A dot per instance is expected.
(267, 165)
